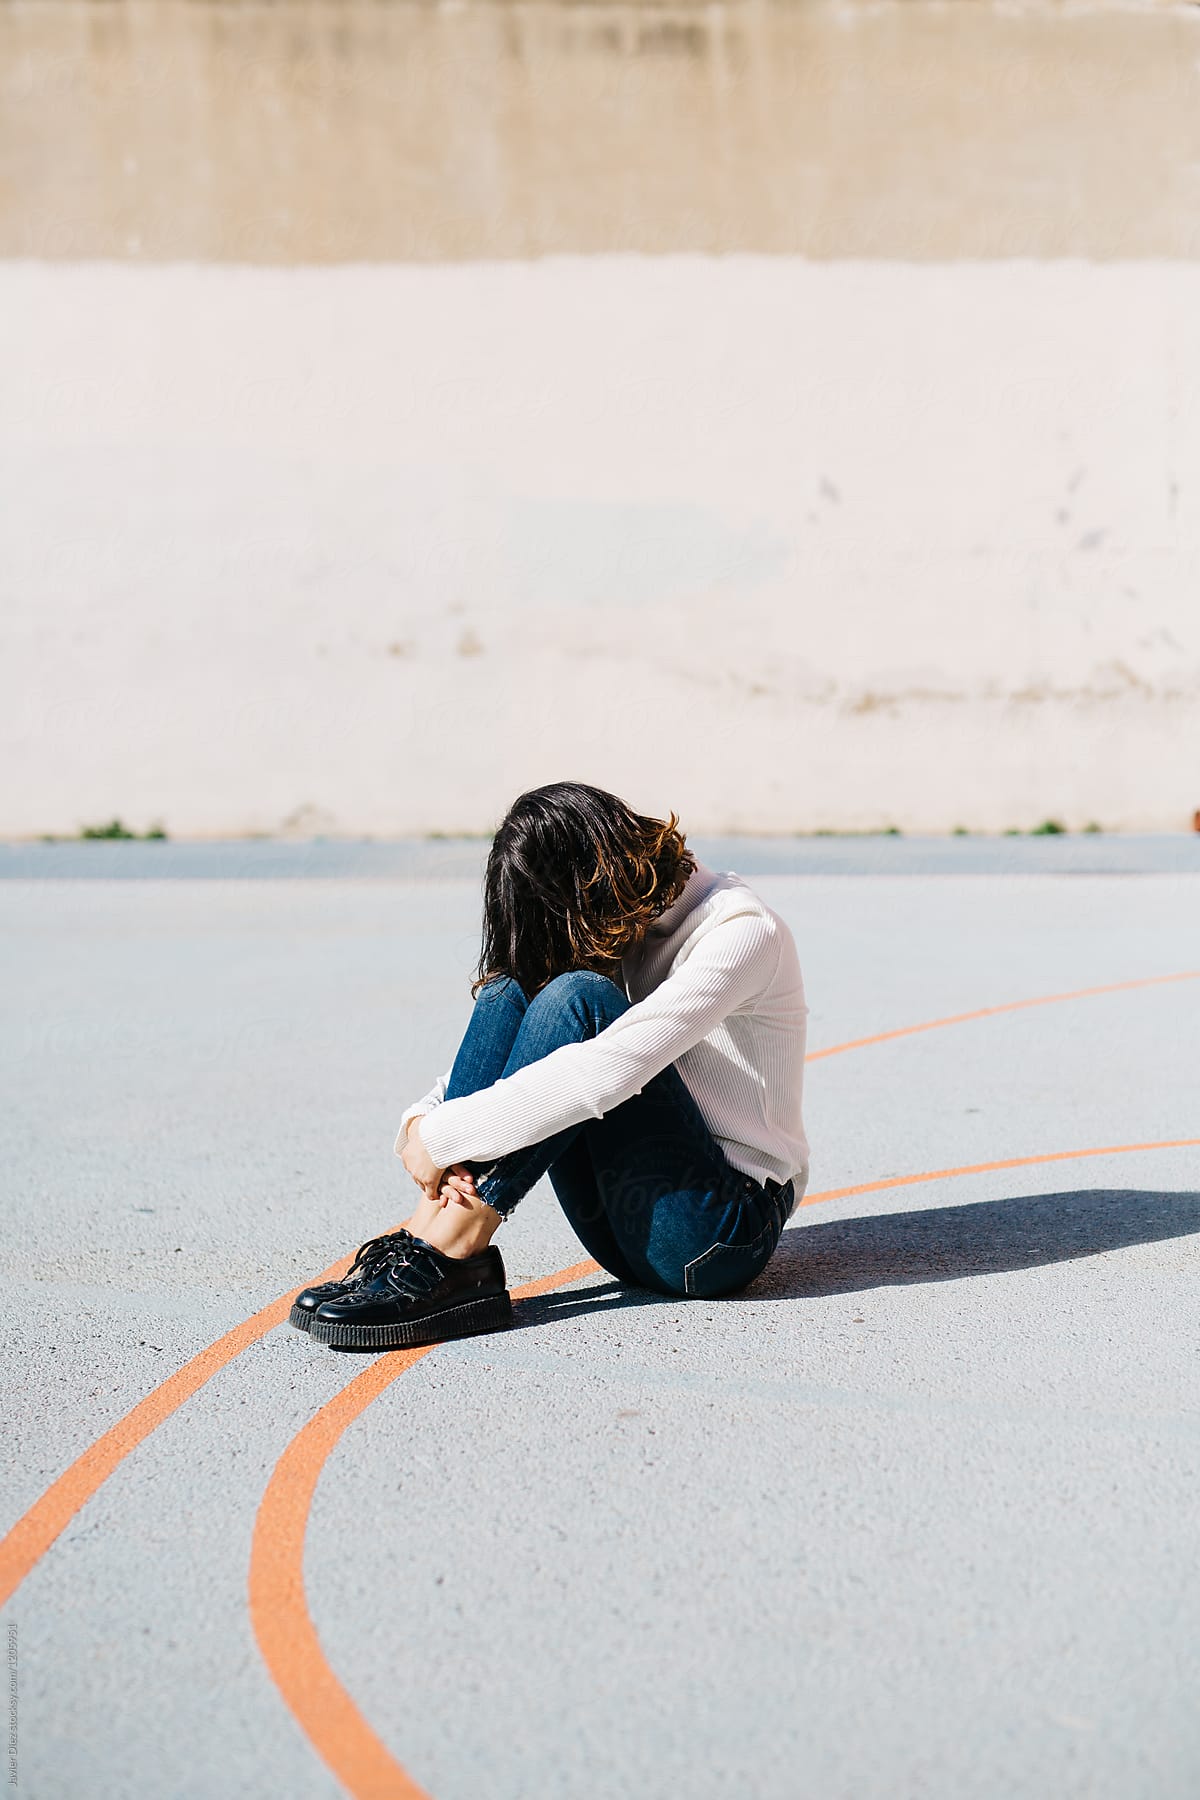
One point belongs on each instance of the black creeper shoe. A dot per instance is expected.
(369, 1259)
(420, 1296)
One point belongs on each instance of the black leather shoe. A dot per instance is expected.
(369, 1259)
(420, 1296)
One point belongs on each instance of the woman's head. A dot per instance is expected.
(574, 877)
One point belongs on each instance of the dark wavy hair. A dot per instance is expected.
(574, 878)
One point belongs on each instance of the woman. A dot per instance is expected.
(638, 1035)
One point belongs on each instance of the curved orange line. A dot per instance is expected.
(279, 1611)
(34, 1533)
(286, 1635)
(29, 1539)
(988, 1012)
(1008, 1162)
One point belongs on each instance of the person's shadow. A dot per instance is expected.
(943, 1243)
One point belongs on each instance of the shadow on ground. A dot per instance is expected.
(943, 1243)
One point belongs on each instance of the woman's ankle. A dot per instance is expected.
(422, 1218)
(462, 1228)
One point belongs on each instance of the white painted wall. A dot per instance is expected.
(784, 545)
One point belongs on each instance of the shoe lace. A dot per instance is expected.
(373, 1257)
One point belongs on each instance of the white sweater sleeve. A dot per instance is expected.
(724, 970)
(426, 1103)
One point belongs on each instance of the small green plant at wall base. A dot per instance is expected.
(960, 831)
(1092, 826)
(1048, 828)
(115, 829)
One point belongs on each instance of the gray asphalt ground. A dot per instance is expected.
(913, 1518)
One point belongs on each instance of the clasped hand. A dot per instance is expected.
(441, 1186)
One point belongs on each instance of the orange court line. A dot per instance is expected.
(987, 1012)
(279, 1610)
(286, 1635)
(32, 1535)
(1009, 1162)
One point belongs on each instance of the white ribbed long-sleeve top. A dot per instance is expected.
(716, 989)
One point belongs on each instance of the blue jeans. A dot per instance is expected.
(647, 1188)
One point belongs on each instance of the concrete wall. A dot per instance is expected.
(871, 499)
(781, 544)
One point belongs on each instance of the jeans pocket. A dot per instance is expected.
(725, 1267)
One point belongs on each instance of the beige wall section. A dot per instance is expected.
(362, 130)
(782, 544)
(783, 411)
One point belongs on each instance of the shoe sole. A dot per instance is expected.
(472, 1316)
(302, 1316)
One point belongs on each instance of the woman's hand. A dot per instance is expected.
(440, 1186)
(420, 1164)
(457, 1185)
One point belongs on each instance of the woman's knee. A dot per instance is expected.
(502, 990)
(581, 991)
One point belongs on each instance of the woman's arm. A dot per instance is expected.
(732, 963)
(425, 1104)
